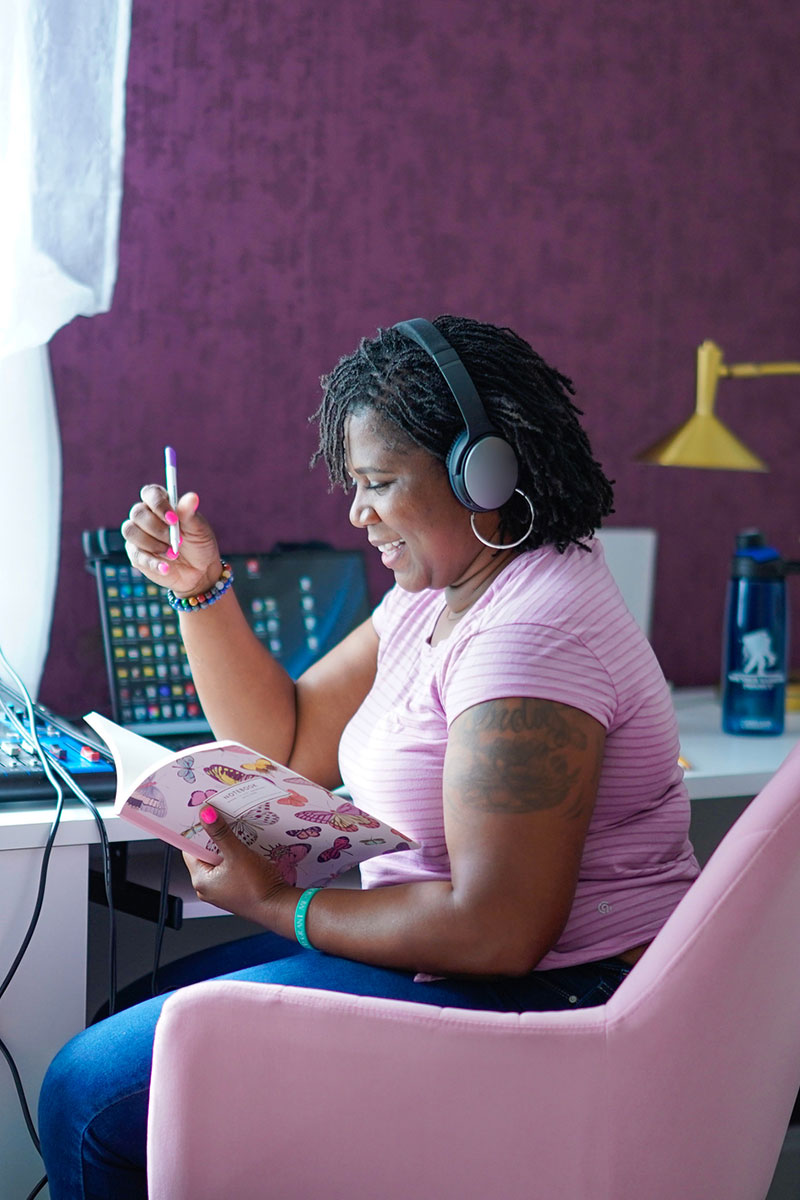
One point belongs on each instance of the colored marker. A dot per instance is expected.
(171, 464)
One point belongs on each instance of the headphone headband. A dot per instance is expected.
(456, 375)
(481, 464)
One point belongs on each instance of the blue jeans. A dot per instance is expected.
(93, 1103)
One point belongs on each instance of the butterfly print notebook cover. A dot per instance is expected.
(309, 833)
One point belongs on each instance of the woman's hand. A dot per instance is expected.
(244, 883)
(197, 566)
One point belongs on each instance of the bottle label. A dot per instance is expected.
(757, 683)
(759, 659)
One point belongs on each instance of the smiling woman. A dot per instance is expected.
(501, 706)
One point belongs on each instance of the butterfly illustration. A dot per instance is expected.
(199, 797)
(373, 841)
(309, 831)
(262, 765)
(305, 782)
(227, 775)
(150, 799)
(248, 824)
(286, 859)
(346, 818)
(334, 851)
(294, 798)
(184, 766)
(194, 830)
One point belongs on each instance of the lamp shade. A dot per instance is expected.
(702, 441)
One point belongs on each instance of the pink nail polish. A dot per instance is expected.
(163, 567)
(208, 815)
(173, 554)
(196, 502)
(171, 518)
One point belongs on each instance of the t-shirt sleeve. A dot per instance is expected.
(535, 661)
(382, 613)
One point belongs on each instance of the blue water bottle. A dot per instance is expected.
(755, 647)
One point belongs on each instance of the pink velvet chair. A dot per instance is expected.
(680, 1088)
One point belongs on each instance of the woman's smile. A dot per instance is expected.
(403, 499)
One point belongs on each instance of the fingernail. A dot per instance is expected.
(173, 554)
(163, 567)
(196, 502)
(171, 518)
(180, 539)
(208, 815)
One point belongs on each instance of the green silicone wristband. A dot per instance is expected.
(300, 917)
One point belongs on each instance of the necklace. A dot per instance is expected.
(449, 615)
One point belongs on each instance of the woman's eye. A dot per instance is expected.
(374, 486)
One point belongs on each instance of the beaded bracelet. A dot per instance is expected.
(205, 599)
(300, 917)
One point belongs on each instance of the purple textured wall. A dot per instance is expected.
(617, 181)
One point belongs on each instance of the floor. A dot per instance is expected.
(786, 1181)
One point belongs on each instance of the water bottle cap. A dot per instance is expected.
(759, 563)
(754, 559)
(749, 538)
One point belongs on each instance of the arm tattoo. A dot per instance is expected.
(521, 756)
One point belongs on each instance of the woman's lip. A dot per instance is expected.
(391, 553)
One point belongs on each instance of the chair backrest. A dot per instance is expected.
(680, 1086)
(714, 1008)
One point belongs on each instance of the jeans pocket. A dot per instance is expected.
(585, 986)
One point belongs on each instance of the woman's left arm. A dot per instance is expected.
(520, 782)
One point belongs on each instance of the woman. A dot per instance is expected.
(501, 707)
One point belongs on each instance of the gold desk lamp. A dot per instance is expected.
(703, 440)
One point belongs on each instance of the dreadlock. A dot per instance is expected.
(527, 401)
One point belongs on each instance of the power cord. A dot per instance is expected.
(50, 764)
(30, 737)
(37, 1189)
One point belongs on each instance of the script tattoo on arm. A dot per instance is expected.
(524, 755)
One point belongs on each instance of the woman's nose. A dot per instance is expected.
(360, 513)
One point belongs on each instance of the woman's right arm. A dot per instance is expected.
(246, 694)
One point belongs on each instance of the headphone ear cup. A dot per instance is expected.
(454, 459)
(483, 473)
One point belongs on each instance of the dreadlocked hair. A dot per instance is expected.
(527, 401)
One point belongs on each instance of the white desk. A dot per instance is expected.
(724, 765)
(46, 1003)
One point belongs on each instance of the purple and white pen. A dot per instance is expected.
(171, 464)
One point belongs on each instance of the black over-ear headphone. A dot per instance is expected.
(482, 466)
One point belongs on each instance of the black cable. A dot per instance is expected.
(37, 1189)
(78, 792)
(31, 736)
(21, 953)
(40, 890)
(26, 1112)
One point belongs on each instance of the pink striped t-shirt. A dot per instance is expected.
(555, 627)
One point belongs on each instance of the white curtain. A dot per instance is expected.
(62, 104)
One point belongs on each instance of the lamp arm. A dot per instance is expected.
(711, 368)
(749, 370)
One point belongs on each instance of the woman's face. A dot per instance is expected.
(402, 498)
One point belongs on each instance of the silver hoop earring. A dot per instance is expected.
(507, 545)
